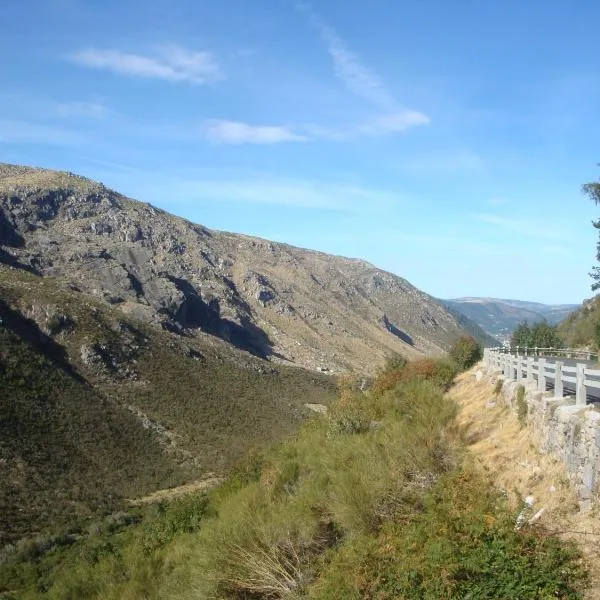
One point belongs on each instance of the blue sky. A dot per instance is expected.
(443, 140)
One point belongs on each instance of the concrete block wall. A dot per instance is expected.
(559, 427)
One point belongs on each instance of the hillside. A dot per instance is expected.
(499, 317)
(140, 351)
(579, 328)
(471, 327)
(381, 497)
(97, 407)
(273, 300)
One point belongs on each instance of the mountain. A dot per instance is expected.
(500, 317)
(471, 327)
(274, 300)
(139, 351)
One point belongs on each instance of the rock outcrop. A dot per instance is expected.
(274, 300)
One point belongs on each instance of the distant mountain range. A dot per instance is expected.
(499, 317)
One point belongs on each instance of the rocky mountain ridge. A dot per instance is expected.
(274, 300)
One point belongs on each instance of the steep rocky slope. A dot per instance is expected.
(274, 300)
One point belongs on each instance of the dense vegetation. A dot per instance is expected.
(96, 408)
(538, 335)
(583, 327)
(57, 436)
(373, 500)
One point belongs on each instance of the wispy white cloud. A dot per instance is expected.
(286, 192)
(222, 131)
(351, 71)
(235, 132)
(378, 126)
(170, 63)
(394, 122)
(362, 80)
(554, 249)
(528, 228)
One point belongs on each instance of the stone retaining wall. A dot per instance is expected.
(559, 427)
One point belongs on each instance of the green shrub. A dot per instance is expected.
(522, 407)
(395, 362)
(439, 370)
(353, 416)
(461, 544)
(498, 386)
(183, 516)
(465, 352)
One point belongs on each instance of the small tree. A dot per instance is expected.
(522, 336)
(466, 352)
(538, 335)
(592, 191)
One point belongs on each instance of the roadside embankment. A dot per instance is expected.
(535, 456)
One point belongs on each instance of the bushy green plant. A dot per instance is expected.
(498, 386)
(395, 362)
(439, 370)
(184, 516)
(462, 544)
(522, 408)
(465, 352)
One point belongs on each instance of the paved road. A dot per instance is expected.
(593, 394)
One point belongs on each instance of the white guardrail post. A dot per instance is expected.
(558, 382)
(530, 361)
(580, 393)
(542, 374)
(519, 369)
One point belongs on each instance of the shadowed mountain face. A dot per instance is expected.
(97, 407)
(273, 300)
(499, 318)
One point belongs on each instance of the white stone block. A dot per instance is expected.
(564, 414)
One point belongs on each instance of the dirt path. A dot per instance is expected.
(506, 452)
(176, 492)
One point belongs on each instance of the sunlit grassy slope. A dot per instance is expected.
(374, 500)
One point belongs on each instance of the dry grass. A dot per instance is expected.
(506, 453)
(17, 176)
(173, 493)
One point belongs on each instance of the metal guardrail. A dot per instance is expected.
(536, 368)
(571, 353)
